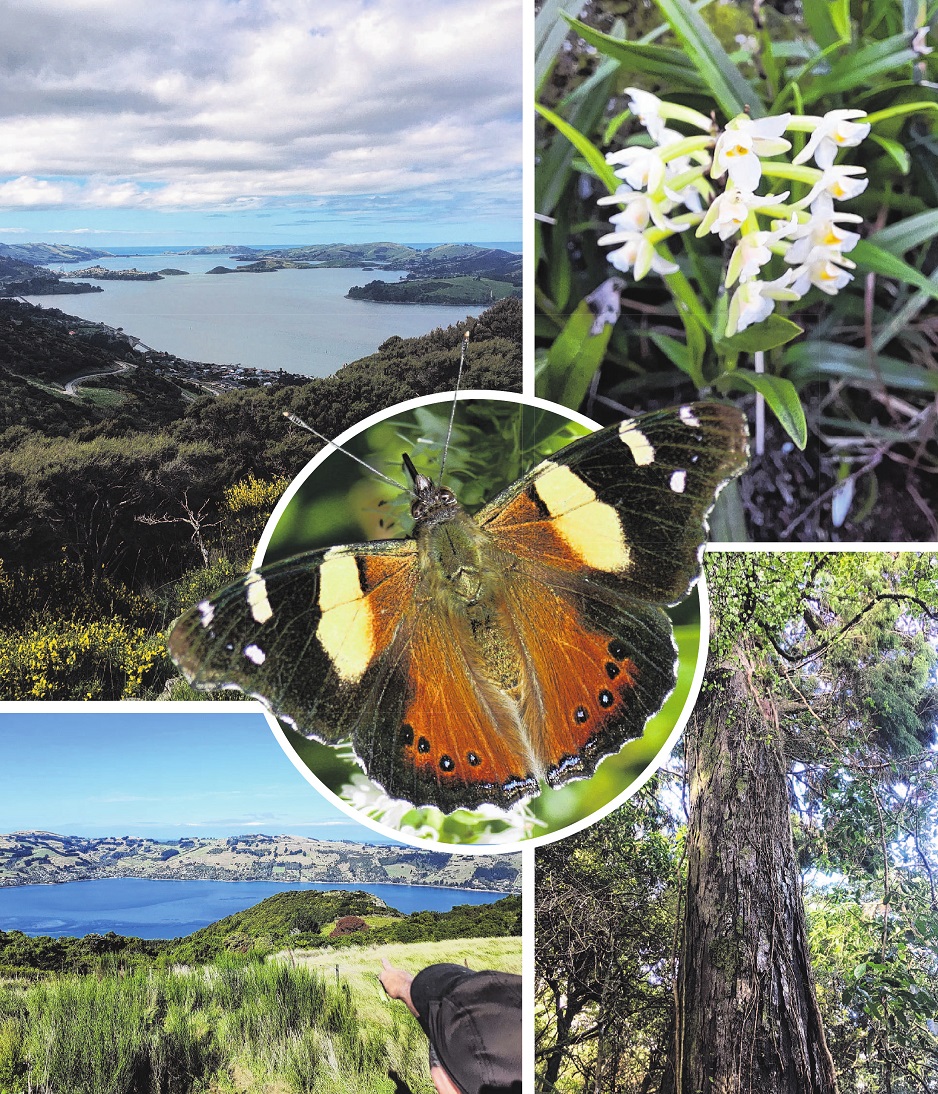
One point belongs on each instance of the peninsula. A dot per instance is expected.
(45, 858)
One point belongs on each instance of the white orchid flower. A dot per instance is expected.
(641, 209)
(823, 230)
(834, 131)
(822, 268)
(642, 168)
(728, 211)
(635, 253)
(647, 108)
(740, 146)
(753, 252)
(841, 181)
(754, 301)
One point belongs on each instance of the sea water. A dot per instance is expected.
(296, 320)
(147, 908)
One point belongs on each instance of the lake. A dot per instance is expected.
(145, 908)
(297, 320)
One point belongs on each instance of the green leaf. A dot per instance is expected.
(772, 332)
(813, 360)
(906, 234)
(666, 64)
(573, 359)
(859, 971)
(726, 83)
(860, 69)
(828, 23)
(594, 158)
(679, 353)
(780, 395)
(895, 151)
(876, 260)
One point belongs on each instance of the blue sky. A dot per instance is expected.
(163, 774)
(125, 122)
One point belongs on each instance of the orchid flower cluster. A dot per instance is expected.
(676, 171)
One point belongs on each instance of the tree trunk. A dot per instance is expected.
(748, 1020)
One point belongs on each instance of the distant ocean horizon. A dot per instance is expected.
(150, 908)
(297, 320)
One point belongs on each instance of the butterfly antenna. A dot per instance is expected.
(351, 455)
(452, 411)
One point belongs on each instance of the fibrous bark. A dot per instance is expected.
(747, 1019)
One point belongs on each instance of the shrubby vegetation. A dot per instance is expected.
(298, 919)
(118, 516)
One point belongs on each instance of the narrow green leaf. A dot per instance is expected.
(573, 359)
(862, 68)
(820, 22)
(905, 234)
(678, 353)
(726, 83)
(663, 62)
(876, 260)
(781, 397)
(814, 359)
(895, 151)
(772, 332)
(594, 158)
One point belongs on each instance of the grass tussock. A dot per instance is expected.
(233, 1027)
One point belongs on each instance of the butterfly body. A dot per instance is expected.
(490, 653)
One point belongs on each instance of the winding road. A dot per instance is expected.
(71, 388)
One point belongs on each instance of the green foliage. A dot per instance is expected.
(606, 901)
(844, 57)
(105, 508)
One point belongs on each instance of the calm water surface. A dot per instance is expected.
(297, 320)
(145, 908)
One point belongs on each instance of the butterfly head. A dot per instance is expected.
(432, 504)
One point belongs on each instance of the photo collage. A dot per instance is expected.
(514, 667)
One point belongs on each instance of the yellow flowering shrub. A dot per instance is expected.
(64, 659)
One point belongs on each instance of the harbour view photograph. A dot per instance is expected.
(175, 887)
(202, 242)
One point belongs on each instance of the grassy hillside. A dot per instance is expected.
(301, 1021)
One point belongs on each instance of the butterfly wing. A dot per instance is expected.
(308, 636)
(339, 644)
(626, 505)
(603, 532)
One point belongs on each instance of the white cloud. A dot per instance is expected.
(131, 104)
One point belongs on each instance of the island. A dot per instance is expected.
(99, 273)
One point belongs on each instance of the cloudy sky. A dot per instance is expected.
(160, 773)
(269, 121)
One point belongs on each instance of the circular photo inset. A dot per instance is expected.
(461, 621)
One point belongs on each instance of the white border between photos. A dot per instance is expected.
(441, 845)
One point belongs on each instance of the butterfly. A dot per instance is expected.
(486, 655)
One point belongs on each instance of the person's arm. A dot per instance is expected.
(441, 1080)
(396, 983)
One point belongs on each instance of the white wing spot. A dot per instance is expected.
(637, 443)
(206, 612)
(255, 653)
(687, 416)
(678, 481)
(257, 598)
